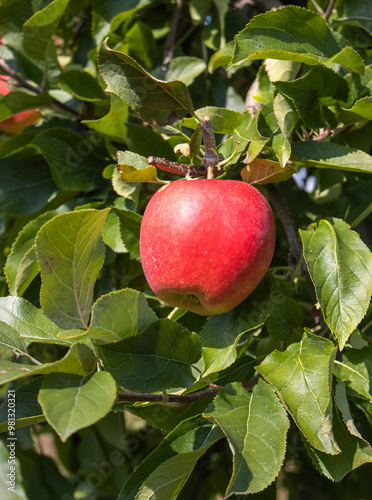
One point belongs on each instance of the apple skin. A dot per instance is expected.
(15, 124)
(206, 244)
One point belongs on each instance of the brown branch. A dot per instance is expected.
(329, 9)
(170, 43)
(175, 398)
(36, 90)
(171, 398)
(295, 248)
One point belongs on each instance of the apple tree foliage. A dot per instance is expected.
(119, 396)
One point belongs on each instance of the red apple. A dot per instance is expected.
(206, 244)
(15, 124)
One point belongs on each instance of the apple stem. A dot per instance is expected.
(210, 160)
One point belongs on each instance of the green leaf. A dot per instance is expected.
(355, 13)
(140, 43)
(360, 110)
(121, 230)
(9, 337)
(279, 70)
(221, 58)
(71, 402)
(340, 265)
(17, 101)
(130, 224)
(39, 29)
(23, 244)
(70, 158)
(184, 68)
(155, 101)
(285, 317)
(331, 155)
(302, 375)
(30, 323)
(79, 360)
(313, 92)
(256, 426)
(342, 404)
(288, 34)
(70, 252)
(163, 473)
(355, 451)
(221, 334)
(160, 358)
(223, 120)
(27, 409)
(26, 186)
(114, 123)
(355, 370)
(82, 85)
(268, 126)
(116, 316)
(134, 168)
(287, 119)
(109, 15)
(18, 493)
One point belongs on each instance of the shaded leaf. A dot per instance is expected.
(340, 265)
(71, 402)
(285, 317)
(79, 360)
(221, 334)
(356, 371)
(313, 92)
(22, 247)
(70, 158)
(163, 473)
(355, 451)
(302, 375)
(255, 425)
(82, 85)
(26, 186)
(70, 252)
(17, 101)
(27, 410)
(156, 360)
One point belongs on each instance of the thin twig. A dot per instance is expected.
(295, 248)
(175, 398)
(36, 90)
(329, 9)
(172, 398)
(170, 43)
